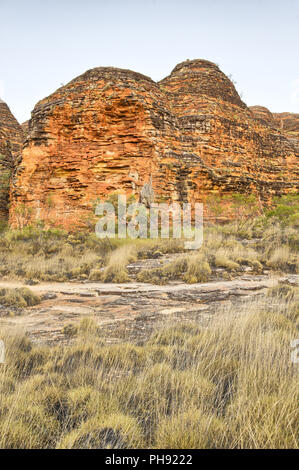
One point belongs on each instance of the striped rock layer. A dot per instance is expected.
(11, 141)
(112, 130)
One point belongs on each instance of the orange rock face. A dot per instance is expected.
(25, 128)
(263, 115)
(11, 140)
(288, 123)
(115, 130)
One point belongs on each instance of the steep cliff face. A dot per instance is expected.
(263, 115)
(11, 140)
(223, 147)
(25, 128)
(288, 123)
(100, 133)
(113, 129)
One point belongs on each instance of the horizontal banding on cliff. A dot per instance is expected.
(263, 114)
(115, 130)
(288, 123)
(11, 140)
(204, 81)
(99, 133)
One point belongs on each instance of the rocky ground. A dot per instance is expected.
(128, 310)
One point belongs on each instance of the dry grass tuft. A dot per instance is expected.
(230, 384)
(116, 270)
(18, 297)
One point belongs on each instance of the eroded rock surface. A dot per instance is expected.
(131, 311)
(263, 115)
(288, 123)
(11, 140)
(25, 128)
(116, 130)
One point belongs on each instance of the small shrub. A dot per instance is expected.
(19, 297)
(221, 261)
(198, 270)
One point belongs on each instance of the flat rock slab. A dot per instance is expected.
(130, 310)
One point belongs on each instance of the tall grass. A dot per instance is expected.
(230, 384)
(267, 242)
(55, 255)
(116, 269)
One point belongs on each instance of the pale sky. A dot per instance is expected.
(46, 43)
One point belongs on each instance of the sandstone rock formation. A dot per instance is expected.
(25, 128)
(116, 130)
(263, 115)
(224, 148)
(288, 123)
(11, 140)
(131, 310)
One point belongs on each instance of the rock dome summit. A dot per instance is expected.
(112, 130)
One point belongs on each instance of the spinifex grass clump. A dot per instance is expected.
(18, 297)
(228, 384)
(33, 253)
(266, 242)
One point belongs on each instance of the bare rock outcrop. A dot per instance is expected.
(288, 123)
(263, 115)
(11, 140)
(25, 128)
(115, 130)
